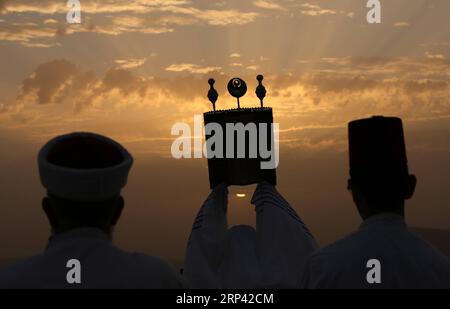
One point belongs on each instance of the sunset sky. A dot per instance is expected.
(132, 69)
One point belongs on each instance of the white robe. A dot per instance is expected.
(102, 266)
(405, 259)
(272, 256)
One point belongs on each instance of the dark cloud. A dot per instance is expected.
(3, 5)
(124, 81)
(58, 81)
(49, 79)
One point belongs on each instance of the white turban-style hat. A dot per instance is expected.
(84, 167)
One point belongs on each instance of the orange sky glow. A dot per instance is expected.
(132, 69)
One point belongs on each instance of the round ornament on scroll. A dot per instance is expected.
(237, 88)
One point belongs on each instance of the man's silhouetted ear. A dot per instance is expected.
(349, 184)
(48, 209)
(117, 211)
(411, 187)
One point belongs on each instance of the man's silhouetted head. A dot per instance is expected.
(379, 177)
(65, 215)
(83, 174)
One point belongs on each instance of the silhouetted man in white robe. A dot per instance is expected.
(84, 174)
(272, 256)
(383, 253)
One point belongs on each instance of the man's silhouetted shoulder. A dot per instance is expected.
(382, 244)
(101, 265)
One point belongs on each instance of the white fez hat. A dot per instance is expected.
(84, 167)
